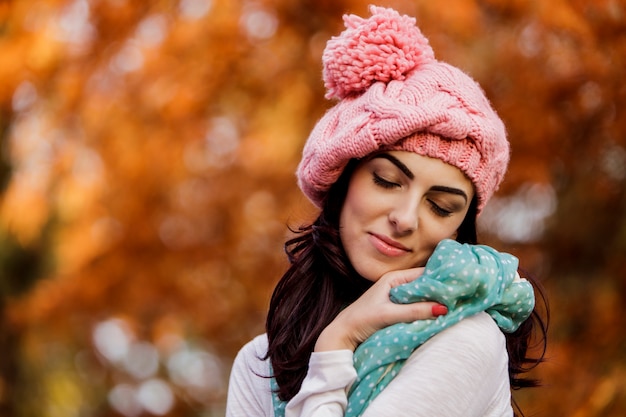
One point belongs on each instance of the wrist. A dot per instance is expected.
(333, 338)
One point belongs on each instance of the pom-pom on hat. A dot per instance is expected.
(394, 95)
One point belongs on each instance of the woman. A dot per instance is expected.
(401, 167)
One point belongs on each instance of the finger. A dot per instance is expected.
(426, 310)
(400, 277)
(406, 313)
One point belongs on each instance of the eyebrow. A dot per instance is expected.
(406, 171)
(450, 190)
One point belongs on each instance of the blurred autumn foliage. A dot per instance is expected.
(148, 151)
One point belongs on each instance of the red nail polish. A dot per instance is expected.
(439, 310)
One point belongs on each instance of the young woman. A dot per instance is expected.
(389, 308)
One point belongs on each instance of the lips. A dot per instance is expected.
(387, 246)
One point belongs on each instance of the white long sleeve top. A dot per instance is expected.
(462, 371)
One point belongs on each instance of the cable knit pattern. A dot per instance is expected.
(394, 95)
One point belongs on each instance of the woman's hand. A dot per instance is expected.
(373, 311)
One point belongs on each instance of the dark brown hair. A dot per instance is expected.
(321, 281)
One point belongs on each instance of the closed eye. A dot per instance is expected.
(380, 181)
(438, 210)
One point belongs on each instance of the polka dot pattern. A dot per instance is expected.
(279, 405)
(468, 279)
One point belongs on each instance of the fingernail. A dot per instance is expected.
(439, 310)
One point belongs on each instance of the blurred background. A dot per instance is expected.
(148, 151)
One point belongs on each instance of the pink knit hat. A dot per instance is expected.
(394, 95)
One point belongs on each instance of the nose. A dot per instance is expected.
(404, 216)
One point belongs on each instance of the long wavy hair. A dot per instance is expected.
(321, 281)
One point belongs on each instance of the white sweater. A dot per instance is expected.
(462, 371)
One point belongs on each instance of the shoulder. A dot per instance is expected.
(473, 350)
(479, 332)
(461, 371)
(252, 355)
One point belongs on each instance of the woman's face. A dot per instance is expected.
(399, 206)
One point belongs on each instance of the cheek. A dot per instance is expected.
(436, 231)
(349, 220)
(355, 206)
(355, 217)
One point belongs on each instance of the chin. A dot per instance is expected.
(374, 272)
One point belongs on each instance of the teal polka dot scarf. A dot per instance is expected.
(468, 279)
